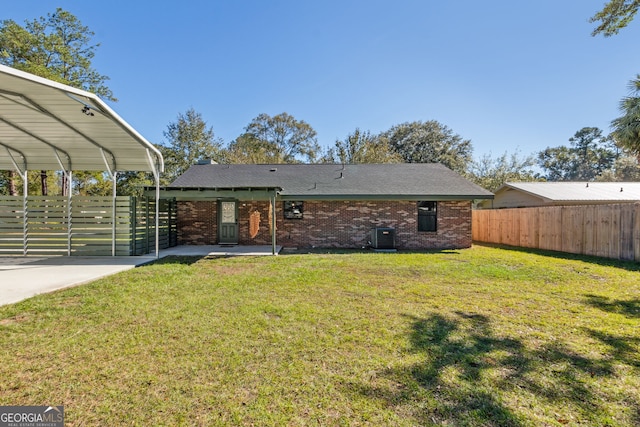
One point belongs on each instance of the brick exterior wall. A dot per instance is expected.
(332, 224)
(197, 223)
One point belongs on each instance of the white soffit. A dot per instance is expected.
(45, 125)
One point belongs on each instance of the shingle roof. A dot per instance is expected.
(579, 191)
(330, 180)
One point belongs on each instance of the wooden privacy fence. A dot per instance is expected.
(609, 231)
(50, 225)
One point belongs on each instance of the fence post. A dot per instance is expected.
(174, 224)
(133, 214)
(146, 222)
(25, 215)
(69, 212)
(114, 213)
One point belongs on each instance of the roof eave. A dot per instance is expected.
(380, 197)
(215, 192)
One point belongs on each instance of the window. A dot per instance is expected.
(293, 210)
(427, 216)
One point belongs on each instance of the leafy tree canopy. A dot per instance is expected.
(589, 155)
(57, 47)
(249, 149)
(626, 128)
(133, 183)
(490, 173)
(361, 147)
(7, 183)
(277, 139)
(615, 15)
(92, 183)
(625, 168)
(11, 184)
(429, 142)
(189, 140)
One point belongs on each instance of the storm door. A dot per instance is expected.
(228, 222)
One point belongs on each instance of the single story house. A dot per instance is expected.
(407, 206)
(533, 194)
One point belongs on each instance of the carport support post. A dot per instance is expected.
(157, 177)
(69, 200)
(25, 212)
(114, 211)
(24, 174)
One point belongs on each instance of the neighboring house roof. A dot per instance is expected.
(308, 181)
(515, 194)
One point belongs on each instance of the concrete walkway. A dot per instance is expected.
(218, 250)
(24, 277)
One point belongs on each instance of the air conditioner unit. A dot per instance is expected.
(383, 238)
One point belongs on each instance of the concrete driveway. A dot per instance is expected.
(24, 277)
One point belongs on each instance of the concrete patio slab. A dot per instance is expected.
(220, 250)
(24, 277)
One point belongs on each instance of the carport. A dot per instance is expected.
(45, 125)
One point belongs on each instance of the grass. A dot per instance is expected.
(484, 336)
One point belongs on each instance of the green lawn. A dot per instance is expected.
(484, 336)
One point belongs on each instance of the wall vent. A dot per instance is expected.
(383, 238)
(206, 162)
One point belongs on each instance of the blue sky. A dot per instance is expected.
(509, 75)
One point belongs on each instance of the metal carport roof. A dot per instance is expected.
(45, 125)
